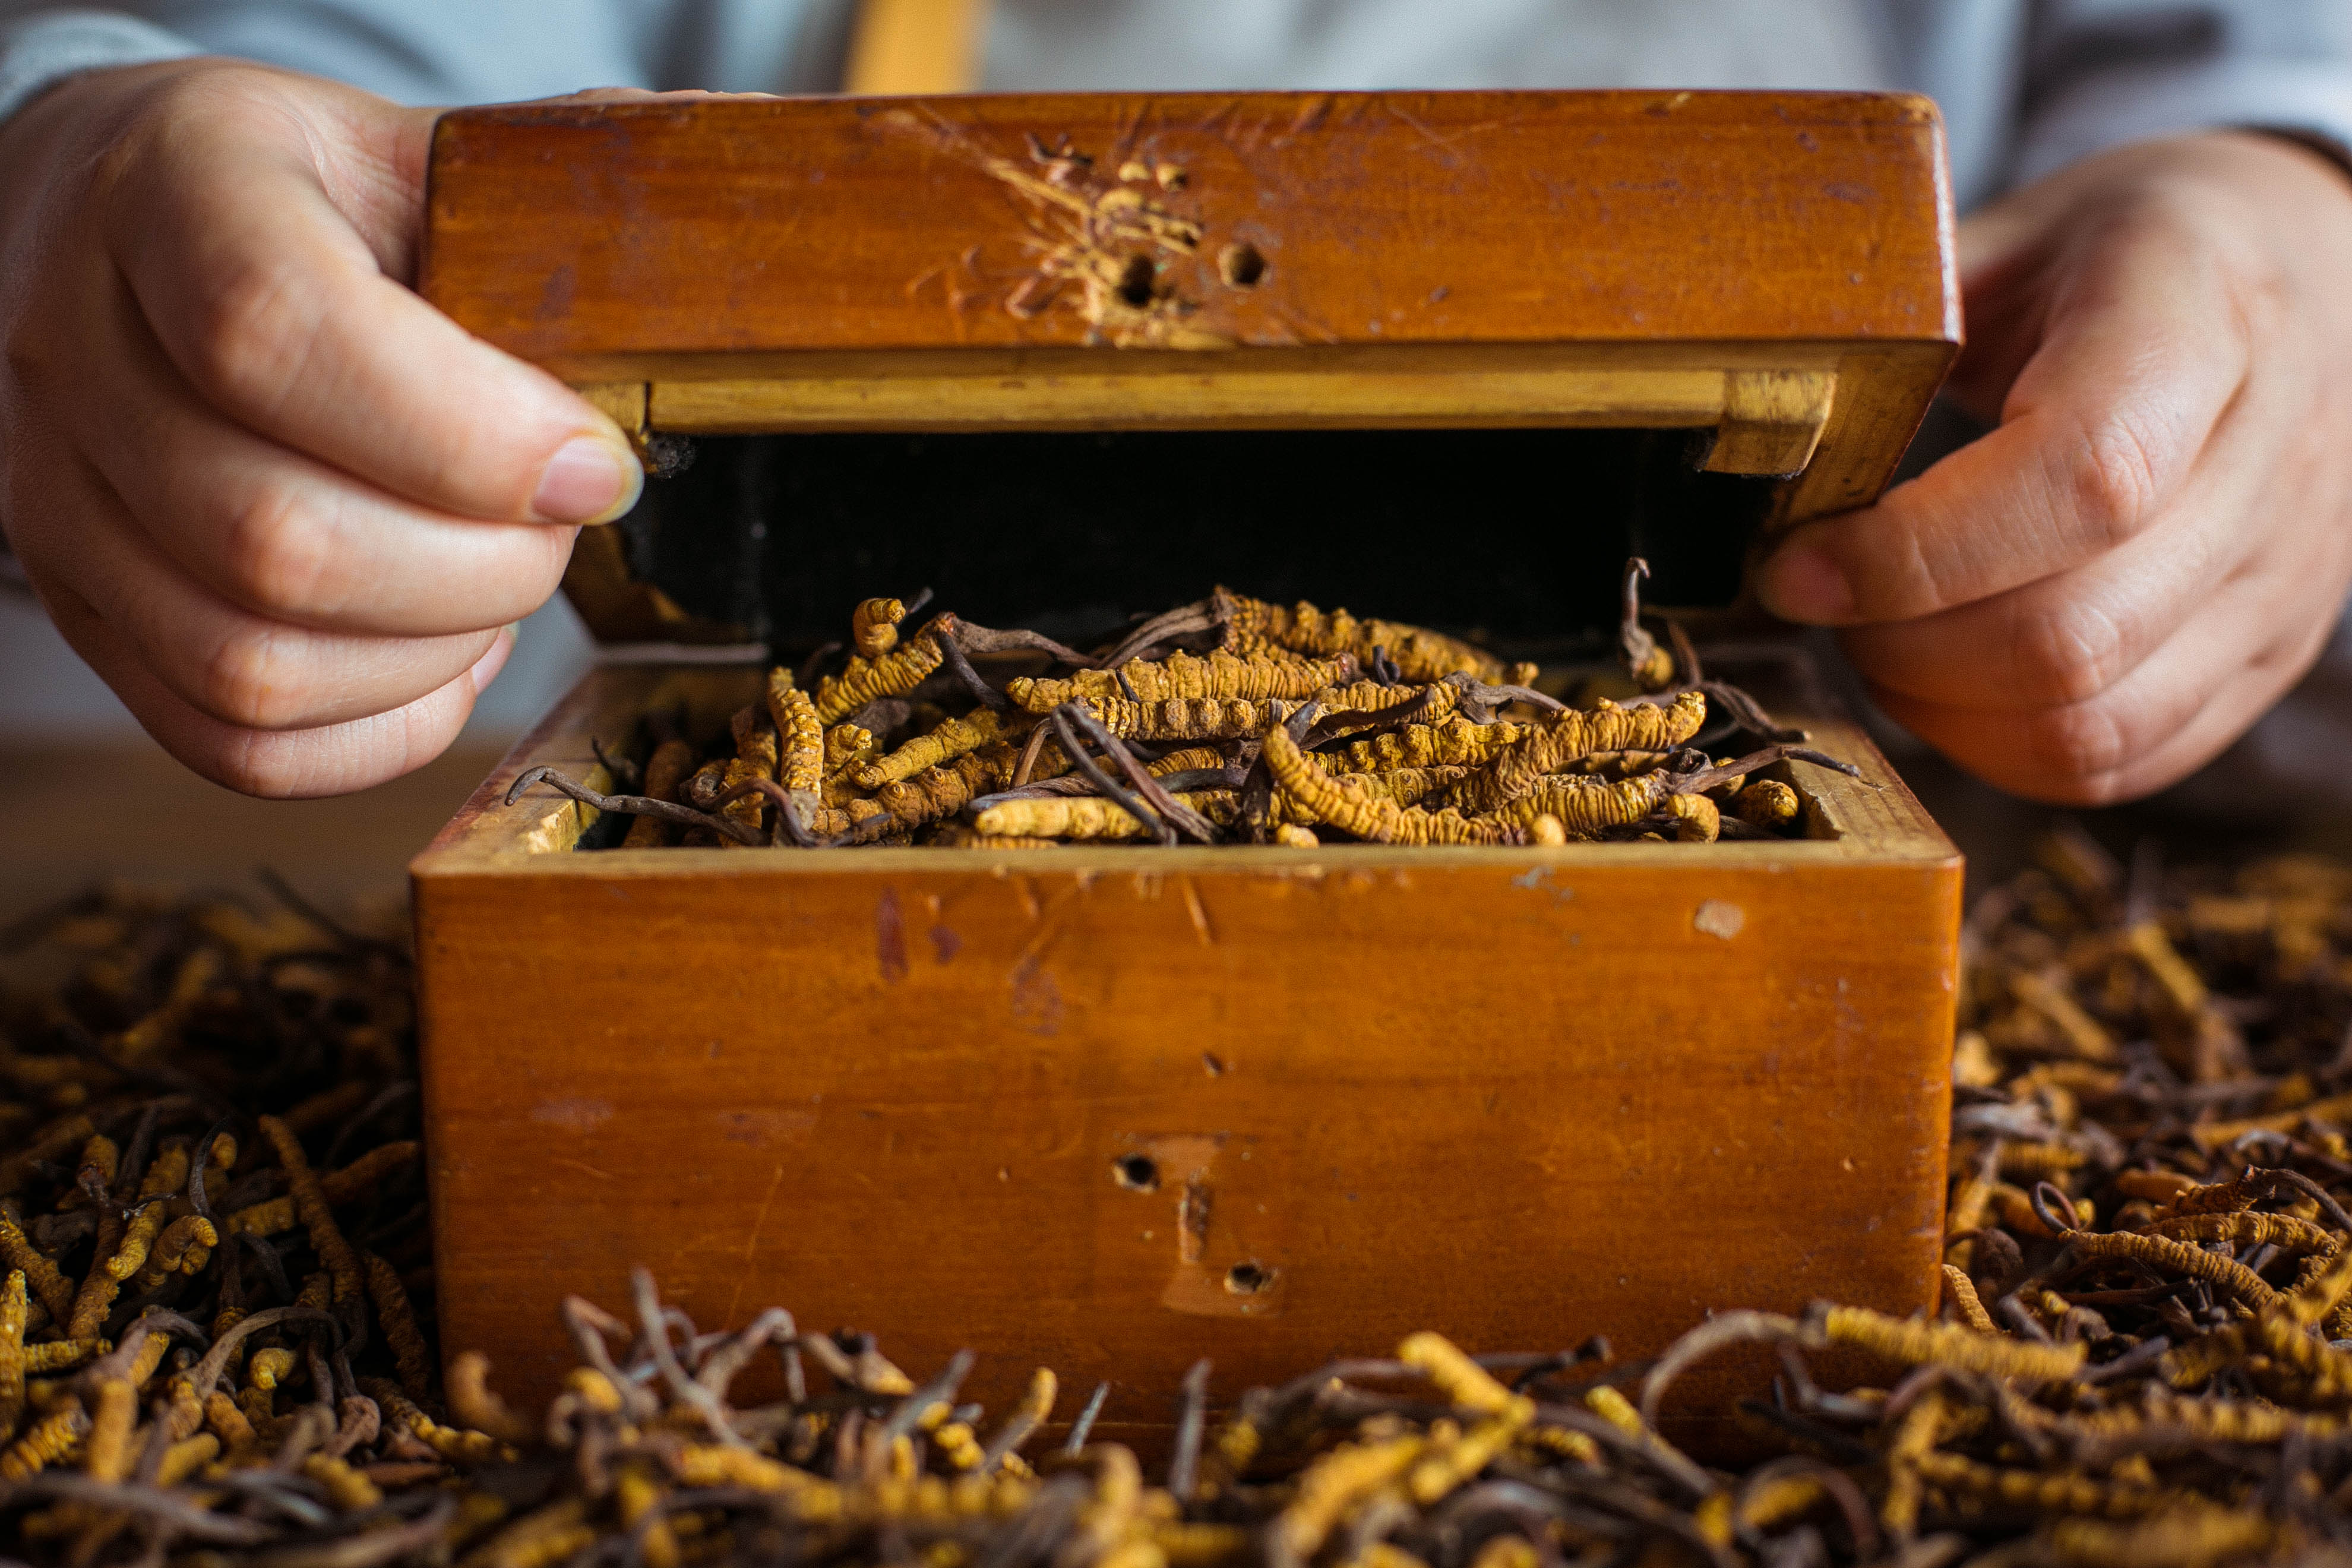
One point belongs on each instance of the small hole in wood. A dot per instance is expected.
(1135, 281)
(1248, 1279)
(1241, 266)
(1135, 1172)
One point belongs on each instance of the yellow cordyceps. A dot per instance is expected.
(1913, 1439)
(2182, 1533)
(1463, 1381)
(799, 739)
(956, 836)
(1697, 818)
(1087, 816)
(944, 790)
(951, 740)
(2058, 1492)
(1426, 703)
(1253, 626)
(1950, 1344)
(847, 749)
(2288, 1233)
(316, 1215)
(46, 1442)
(1767, 803)
(1345, 803)
(874, 627)
(183, 1248)
(1455, 743)
(475, 1403)
(671, 764)
(1405, 786)
(893, 674)
(398, 1319)
(138, 1236)
(1561, 739)
(1585, 807)
(1221, 676)
(2074, 1452)
(2217, 1269)
(1961, 1292)
(14, 1311)
(42, 1277)
(759, 755)
(1332, 1486)
(1183, 719)
(351, 1183)
(1433, 703)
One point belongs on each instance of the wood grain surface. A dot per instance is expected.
(602, 239)
(1518, 1096)
(1776, 267)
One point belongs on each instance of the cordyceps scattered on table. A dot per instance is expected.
(1232, 720)
(205, 1352)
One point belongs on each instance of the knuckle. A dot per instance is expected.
(2067, 653)
(2081, 748)
(255, 678)
(278, 554)
(251, 333)
(2113, 481)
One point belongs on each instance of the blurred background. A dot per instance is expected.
(85, 794)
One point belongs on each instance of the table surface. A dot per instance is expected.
(71, 816)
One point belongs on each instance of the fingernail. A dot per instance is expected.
(1802, 584)
(587, 481)
(486, 669)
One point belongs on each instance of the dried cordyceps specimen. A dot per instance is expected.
(912, 741)
(2133, 1364)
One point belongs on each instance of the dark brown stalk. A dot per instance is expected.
(629, 804)
(1066, 730)
(1175, 812)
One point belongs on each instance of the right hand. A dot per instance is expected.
(286, 508)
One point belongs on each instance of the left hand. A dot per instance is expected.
(2098, 597)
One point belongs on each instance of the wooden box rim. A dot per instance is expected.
(1874, 819)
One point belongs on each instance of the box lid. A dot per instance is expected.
(1767, 275)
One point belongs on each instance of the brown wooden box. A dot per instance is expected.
(1112, 1110)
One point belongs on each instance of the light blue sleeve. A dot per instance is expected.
(39, 50)
(449, 51)
(2102, 72)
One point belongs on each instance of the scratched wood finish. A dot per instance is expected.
(1518, 1096)
(592, 238)
(1269, 261)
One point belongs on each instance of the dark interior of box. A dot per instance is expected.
(1515, 537)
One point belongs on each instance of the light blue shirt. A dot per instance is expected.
(2025, 85)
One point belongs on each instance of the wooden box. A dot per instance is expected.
(1113, 1109)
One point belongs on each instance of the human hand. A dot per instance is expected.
(2098, 597)
(285, 508)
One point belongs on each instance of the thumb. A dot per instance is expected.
(372, 163)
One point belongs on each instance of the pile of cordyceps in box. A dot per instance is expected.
(213, 1240)
(1228, 721)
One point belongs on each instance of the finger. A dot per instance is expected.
(239, 669)
(2177, 711)
(2105, 424)
(2068, 638)
(274, 308)
(284, 535)
(286, 764)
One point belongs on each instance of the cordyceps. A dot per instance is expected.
(2134, 1362)
(941, 733)
(212, 1228)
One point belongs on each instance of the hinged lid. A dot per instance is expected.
(1760, 284)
